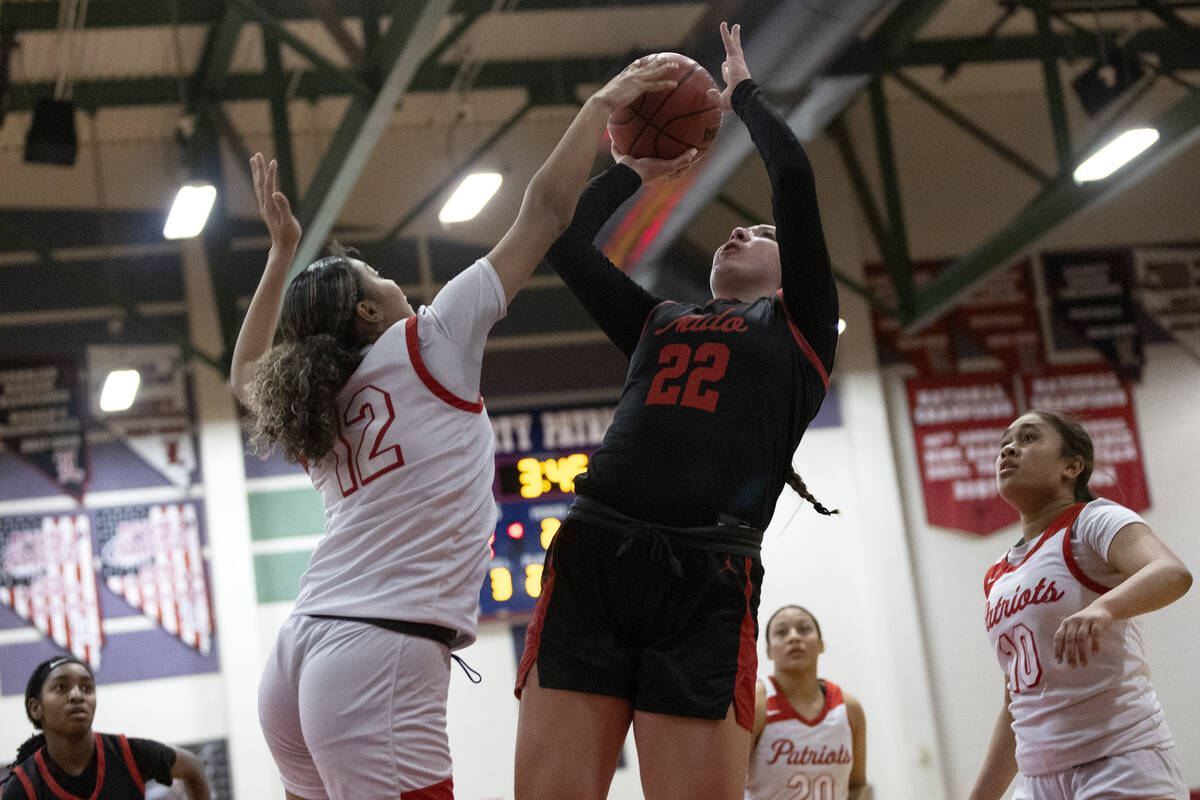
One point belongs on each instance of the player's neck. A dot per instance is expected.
(71, 752)
(1035, 521)
(800, 685)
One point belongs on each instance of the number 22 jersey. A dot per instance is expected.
(1064, 716)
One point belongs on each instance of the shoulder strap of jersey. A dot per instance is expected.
(413, 342)
(134, 772)
(802, 343)
(59, 791)
(1069, 556)
(24, 779)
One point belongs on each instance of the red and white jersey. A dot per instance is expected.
(408, 486)
(801, 758)
(1064, 716)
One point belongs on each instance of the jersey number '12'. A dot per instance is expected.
(369, 415)
(708, 362)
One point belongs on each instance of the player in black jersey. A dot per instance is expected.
(68, 760)
(648, 610)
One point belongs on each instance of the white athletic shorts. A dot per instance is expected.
(351, 710)
(1151, 773)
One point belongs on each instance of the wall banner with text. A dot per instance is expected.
(957, 423)
(929, 351)
(1092, 304)
(41, 421)
(1098, 398)
(1169, 284)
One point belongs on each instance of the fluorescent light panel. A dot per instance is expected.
(470, 197)
(189, 212)
(1115, 154)
(120, 387)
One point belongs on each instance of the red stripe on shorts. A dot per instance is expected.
(747, 671)
(442, 790)
(533, 633)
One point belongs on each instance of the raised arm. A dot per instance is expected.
(551, 194)
(809, 291)
(258, 328)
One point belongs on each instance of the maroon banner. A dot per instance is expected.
(1001, 316)
(957, 423)
(929, 350)
(1103, 403)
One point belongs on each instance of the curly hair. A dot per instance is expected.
(317, 347)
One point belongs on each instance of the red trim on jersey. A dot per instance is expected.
(63, 793)
(131, 764)
(833, 699)
(431, 383)
(1073, 565)
(442, 790)
(24, 779)
(804, 345)
(533, 633)
(744, 683)
(1004, 566)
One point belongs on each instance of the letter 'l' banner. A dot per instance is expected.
(957, 423)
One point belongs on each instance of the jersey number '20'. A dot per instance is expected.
(708, 364)
(819, 787)
(369, 415)
(1024, 665)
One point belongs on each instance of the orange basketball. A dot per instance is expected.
(668, 123)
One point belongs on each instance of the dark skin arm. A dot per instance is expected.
(189, 770)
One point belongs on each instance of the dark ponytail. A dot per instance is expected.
(796, 482)
(29, 747)
(317, 348)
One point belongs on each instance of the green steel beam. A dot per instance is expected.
(896, 253)
(210, 75)
(1178, 127)
(1172, 50)
(1172, 19)
(281, 128)
(398, 55)
(1060, 129)
(962, 121)
(349, 79)
(858, 180)
(457, 172)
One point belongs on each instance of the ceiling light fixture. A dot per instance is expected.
(470, 197)
(120, 388)
(1116, 154)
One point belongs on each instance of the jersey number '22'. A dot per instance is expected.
(708, 364)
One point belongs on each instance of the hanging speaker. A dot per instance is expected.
(51, 137)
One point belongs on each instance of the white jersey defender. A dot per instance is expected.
(801, 758)
(408, 487)
(1064, 716)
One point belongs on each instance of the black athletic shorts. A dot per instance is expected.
(666, 618)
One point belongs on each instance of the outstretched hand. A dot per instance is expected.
(733, 68)
(651, 170)
(647, 74)
(273, 205)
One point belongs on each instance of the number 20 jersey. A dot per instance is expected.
(1064, 716)
(715, 402)
(408, 487)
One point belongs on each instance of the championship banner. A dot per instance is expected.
(1091, 304)
(929, 351)
(158, 427)
(41, 409)
(1104, 405)
(1001, 316)
(1169, 283)
(150, 556)
(47, 577)
(957, 424)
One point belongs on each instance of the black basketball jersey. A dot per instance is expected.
(715, 402)
(118, 770)
(717, 396)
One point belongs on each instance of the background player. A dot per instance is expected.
(1080, 718)
(810, 738)
(67, 759)
(648, 611)
(382, 406)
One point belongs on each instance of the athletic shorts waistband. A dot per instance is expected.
(740, 539)
(424, 630)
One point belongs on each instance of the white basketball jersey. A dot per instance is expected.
(408, 486)
(797, 758)
(1063, 715)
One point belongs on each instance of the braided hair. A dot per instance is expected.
(33, 690)
(796, 482)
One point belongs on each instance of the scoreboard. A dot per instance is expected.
(539, 453)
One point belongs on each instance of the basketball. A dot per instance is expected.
(667, 124)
